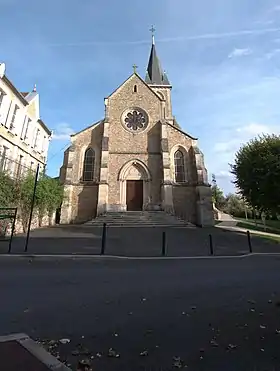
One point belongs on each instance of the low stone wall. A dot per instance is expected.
(46, 221)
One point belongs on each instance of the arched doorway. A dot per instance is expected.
(134, 186)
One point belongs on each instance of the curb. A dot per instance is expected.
(116, 257)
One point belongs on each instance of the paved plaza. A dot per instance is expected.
(139, 241)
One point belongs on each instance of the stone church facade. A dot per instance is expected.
(136, 158)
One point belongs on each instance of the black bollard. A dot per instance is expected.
(104, 236)
(163, 247)
(249, 242)
(211, 245)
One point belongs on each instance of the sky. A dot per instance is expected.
(222, 58)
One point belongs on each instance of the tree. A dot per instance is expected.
(257, 173)
(25, 189)
(49, 196)
(217, 194)
(7, 190)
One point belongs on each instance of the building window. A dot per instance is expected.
(25, 135)
(179, 167)
(2, 95)
(23, 127)
(14, 117)
(88, 170)
(19, 167)
(3, 158)
(36, 139)
(135, 89)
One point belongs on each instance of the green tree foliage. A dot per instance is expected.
(217, 194)
(7, 190)
(257, 173)
(49, 196)
(19, 193)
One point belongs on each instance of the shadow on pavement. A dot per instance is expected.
(138, 242)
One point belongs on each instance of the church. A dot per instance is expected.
(137, 158)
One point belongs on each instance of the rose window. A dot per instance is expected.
(135, 120)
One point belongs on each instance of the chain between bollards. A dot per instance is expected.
(249, 242)
(211, 245)
(104, 237)
(163, 247)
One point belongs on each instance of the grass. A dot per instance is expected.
(274, 239)
(272, 226)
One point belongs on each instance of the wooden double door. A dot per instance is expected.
(134, 195)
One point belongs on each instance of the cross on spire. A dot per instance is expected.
(135, 68)
(153, 34)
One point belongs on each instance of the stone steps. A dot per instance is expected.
(138, 219)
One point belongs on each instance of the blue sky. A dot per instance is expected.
(222, 57)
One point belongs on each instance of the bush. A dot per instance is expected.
(19, 193)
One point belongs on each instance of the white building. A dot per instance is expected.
(24, 138)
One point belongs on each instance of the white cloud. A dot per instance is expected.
(227, 146)
(272, 54)
(63, 132)
(223, 174)
(207, 36)
(275, 9)
(255, 129)
(240, 136)
(240, 53)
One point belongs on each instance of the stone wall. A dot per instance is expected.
(46, 222)
(184, 200)
(84, 203)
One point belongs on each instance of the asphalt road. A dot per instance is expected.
(220, 314)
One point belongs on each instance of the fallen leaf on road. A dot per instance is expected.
(113, 353)
(64, 341)
(214, 343)
(84, 365)
(178, 362)
(144, 353)
(252, 310)
(251, 302)
(116, 335)
(231, 347)
(277, 331)
(262, 326)
(99, 355)
(262, 350)
(144, 299)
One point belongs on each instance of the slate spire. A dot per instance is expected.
(155, 75)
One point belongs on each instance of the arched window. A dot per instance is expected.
(88, 170)
(179, 167)
(135, 89)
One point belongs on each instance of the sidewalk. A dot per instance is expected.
(19, 352)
